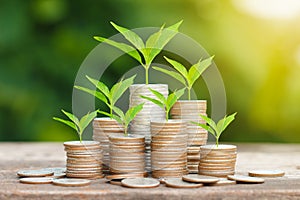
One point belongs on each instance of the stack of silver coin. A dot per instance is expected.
(127, 154)
(102, 128)
(190, 110)
(84, 159)
(168, 149)
(141, 123)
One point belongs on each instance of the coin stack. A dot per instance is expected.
(190, 110)
(102, 128)
(84, 159)
(168, 149)
(127, 154)
(217, 161)
(141, 123)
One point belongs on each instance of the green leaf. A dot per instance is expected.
(159, 95)
(173, 74)
(100, 86)
(119, 88)
(119, 112)
(172, 98)
(151, 45)
(208, 128)
(130, 36)
(96, 94)
(132, 112)
(155, 101)
(68, 123)
(227, 121)
(112, 116)
(197, 69)
(123, 47)
(179, 93)
(178, 66)
(72, 117)
(86, 120)
(209, 121)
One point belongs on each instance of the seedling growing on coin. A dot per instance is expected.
(187, 78)
(126, 118)
(144, 53)
(163, 102)
(109, 97)
(216, 129)
(78, 125)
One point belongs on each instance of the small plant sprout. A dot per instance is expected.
(109, 97)
(216, 129)
(144, 53)
(165, 103)
(78, 125)
(126, 118)
(187, 78)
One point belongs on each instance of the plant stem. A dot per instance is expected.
(125, 131)
(80, 137)
(147, 73)
(189, 93)
(217, 142)
(167, 115)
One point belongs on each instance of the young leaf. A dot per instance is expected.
(172, 98)
(68, 123)
(178, 66)
(119, 112)
(159, 95)
(155, 101)
(119, 88)
(173, 74)
(209, 121)
(132, 112)
(208, 128)
(96, 94)
(197, 69)
(72, 117)
(86, 120)
(112, 116)
(100, 86)
(228, 120)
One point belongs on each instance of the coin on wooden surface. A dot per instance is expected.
(140, 182)
(245, 179)
(36, 180)
(196, 178)
(34, 173)
(71, 182)
(223, 181)
(266, 173)
(129, 175)
(179, 183)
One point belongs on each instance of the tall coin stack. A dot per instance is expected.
(102, 128)
(84, 160)
(141, 123)
(218, 161)
(168, 149)
(190, 110)
(127, 154)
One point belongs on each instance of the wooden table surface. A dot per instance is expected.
(16, 156)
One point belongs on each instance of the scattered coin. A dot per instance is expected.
(245, 179)
(140, 182)
(128, 175)
(195, 178)
(59, 175)
(179, 183)
(36, 180)
(71, 182)
(266, 173)
(115, 181)
(34, 173)
(223, 181)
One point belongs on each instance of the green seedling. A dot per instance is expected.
(78, 125)
(165, 103)
(124, 119)
(187, 78)
(143, 52)
(109, 97)
(216, 129)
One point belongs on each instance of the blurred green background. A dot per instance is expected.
(256, 44)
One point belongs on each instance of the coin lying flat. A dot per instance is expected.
(115, 181)
(35, 173)
(179, 183)
(71, 182)
(266, 173)
(140, 182)
(36, 180)
(128, 175)
(245, 179)
(195, 178)
(223, 181)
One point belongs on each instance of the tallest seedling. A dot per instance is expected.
(143, 52)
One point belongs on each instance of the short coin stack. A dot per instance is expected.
(84, 159)
(102, 128)
(168, 149)
(217, 161)
(127, 155)
(190, 110)
(141, 123)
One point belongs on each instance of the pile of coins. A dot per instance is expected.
(217, 161)
(190, 110)
(102, 128)
(84, 159)
(127, 155)
(168, 149)
(141, 123)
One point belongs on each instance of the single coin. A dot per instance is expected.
(115, 181)
(36, 180)
(245, 179)
(129, 175)
(179, 183)
(140, 182)
(56, 169)
(59, 175)
(266, 173)
(71, 182)
(223, 181)
(195, 178)
(34, 173)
